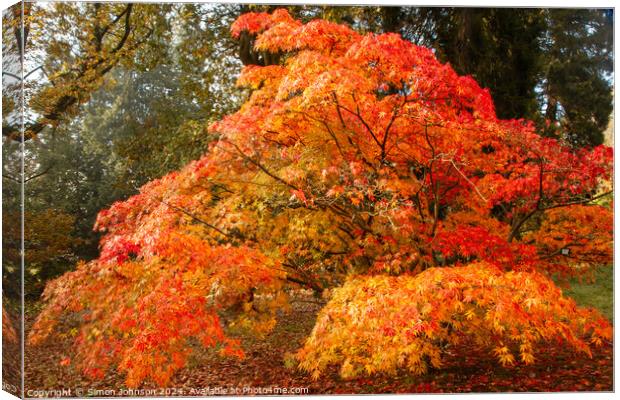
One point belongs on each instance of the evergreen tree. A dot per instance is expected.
(577, 79)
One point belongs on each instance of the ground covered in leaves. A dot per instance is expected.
(11, 366)
(267, 369)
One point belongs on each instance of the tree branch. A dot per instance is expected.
(262, 168)
(195, 218)
(127, 31)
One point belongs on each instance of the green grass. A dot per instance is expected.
(598, 294)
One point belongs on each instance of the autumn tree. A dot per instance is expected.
(362, 168)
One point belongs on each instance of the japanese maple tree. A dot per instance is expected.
(361, 168)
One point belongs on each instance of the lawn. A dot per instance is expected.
(598, 294)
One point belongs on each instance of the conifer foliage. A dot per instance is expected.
(362, 168)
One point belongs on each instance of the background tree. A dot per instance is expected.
(577, 74)
(552, 66)
(71, 46)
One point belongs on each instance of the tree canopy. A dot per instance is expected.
(362, 168)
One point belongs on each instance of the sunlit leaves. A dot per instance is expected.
(381, 324)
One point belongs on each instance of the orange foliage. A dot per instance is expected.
(357, 155)
(382, 323)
